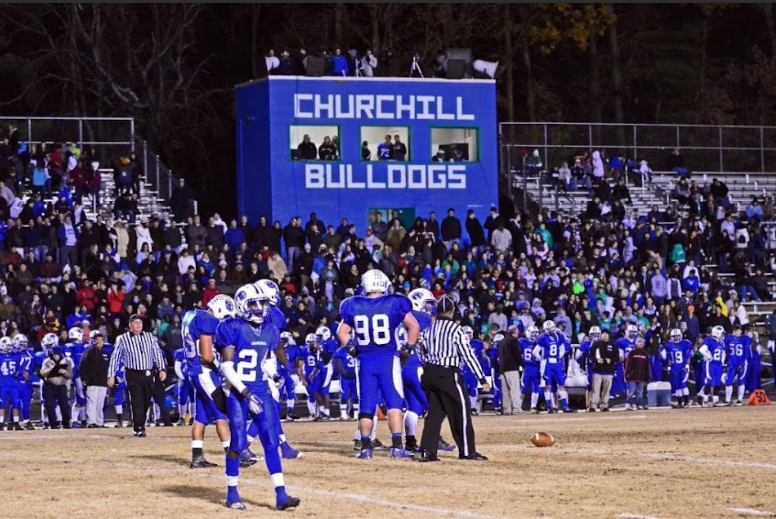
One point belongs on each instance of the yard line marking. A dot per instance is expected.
(265, 483)
(635, 516)
(753, 511)
(673, 457)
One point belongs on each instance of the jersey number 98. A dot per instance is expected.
(377, 332)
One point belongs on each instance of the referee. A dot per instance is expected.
(139, 352)
(445, 345)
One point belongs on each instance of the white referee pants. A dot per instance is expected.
(95, 401)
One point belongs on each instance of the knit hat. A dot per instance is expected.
(445, 305)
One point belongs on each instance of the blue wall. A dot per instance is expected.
(270, 183)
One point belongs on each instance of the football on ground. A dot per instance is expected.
(543, 439)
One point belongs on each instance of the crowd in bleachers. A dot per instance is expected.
(59, 269)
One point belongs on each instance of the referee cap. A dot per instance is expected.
(445, 305)
(134, 317)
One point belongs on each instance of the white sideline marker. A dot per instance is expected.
(635, 516)
(753, 511)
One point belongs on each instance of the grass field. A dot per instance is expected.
(659, 463)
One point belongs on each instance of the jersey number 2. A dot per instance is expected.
(247, 362)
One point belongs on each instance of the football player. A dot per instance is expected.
(9, 383)
(423, 305)
(739, 355)
(287, 370)
(246, 339)
(531, 380)
(678, 352)
(328, 348)
(345, 367)
(286, 357)
(27, 372)
(713, 351)
(625, 344)
(198, 329)
(311, 374)
(374, 318)
(74, 350)
(185, 389)
(551, 347)
(584, 360)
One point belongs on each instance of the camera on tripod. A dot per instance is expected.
(415, 70)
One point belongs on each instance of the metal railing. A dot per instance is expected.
(745, 149)
(109, 136)
(156, 173)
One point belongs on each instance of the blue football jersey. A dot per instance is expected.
(311, 360)
(276, 318)
(26, 364)
(74, 351)
(478, 347)
(348, 362)
(424, 321)
(739, 349)
(251, 344)
(374, 321)
(625, 345)
(678, 352)
(716, 350)
(553, 346)
(293, 352)
(526, 347)
(9, 368)
(196, 323)
(180, 356)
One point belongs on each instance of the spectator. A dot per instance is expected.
(340, 65)
(676, 163)
(637, 374)
(440, 156)
(181, 201)
(55, 372)
(598, 168)
(93, 370)
(451, 228)
(502, 239)
(294, 238)
(385, 149)
(366, 154)
(398, 150)
(68, 242)
(534, 164)
(368, 63)
(306, 149)
(327, 150)
(604, 355)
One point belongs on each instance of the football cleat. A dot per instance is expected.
(739, 403)
(474, 457)
(569, 410)
(249, 455)
(401, 454)
(17, 426)
(535, 410)
(29, 426)
(74, 425)
(365, 454)
(356, 445)
(288, 452)
(323, 418)
(444, 446)
(552, 410)
(201, 463)
(605, 410)
(2, 426)
(236, 505)
(286, 502)
(377, 444)
(628, 407)
(591, 409)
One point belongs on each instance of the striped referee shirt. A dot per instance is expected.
(136, 351)
(446, 344)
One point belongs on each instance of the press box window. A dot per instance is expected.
(454, 144)
(309, 142)
(385, 143)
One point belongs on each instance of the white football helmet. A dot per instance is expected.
(532, 333)
(422, 300)
(270, 288)
(6, 345)
(718, 332)
(75, 334)
(20, 342)
(594, 333)
(311, 340)
(498, 338)
(631, 331)
(94, 334)
(548, 326)
(468, 331)
(49, 342)
(222, 306)
(323, 333)
(252, 303)
(286, 339)
(676, 335)
(375, 281)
